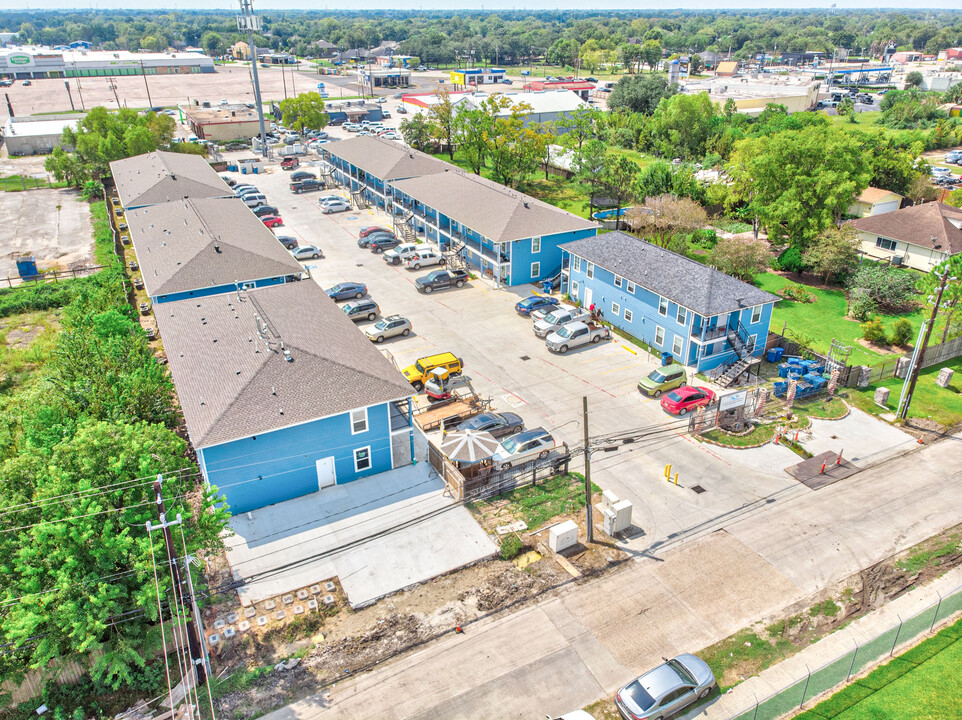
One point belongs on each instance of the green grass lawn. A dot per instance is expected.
(825, 319)
(943, 405)
(16, 183)
(537, 504)
(921, 684)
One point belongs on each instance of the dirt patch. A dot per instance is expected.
(880, 349)
(20, 337)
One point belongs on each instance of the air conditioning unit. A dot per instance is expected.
(897, 259)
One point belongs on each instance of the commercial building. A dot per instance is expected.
(548, 106)
(581, 88)
(704, 318)
(36, 136)
(920, 236)
(208, 246)
(384, 76)
(23, 63)
(224, 122)
(159, 177)
(282, 396)
(477, 76)
(796, 92)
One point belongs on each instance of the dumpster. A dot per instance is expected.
(667, 359)
(27, 267)
(775, 354)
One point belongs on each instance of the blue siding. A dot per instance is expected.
(280, 465)
(218, 289)
(549, 258)
(645, 320)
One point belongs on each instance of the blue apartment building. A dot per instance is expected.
(704, 318)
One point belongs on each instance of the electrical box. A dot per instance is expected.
(608, 499)
(622, 512)
(563, 536)
(608, 521)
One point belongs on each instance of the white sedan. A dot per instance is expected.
(335, 206)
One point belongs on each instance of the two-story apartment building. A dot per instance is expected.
(208, 246)
(158, 177)
(508, 236)
(282, 395)
(703, 317)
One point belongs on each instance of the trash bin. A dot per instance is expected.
(27, 267)
(546, 286)
(667, 359)
(775, 354)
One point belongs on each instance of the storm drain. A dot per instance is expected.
(698, 489)
(525, 357)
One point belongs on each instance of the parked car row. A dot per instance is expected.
(257, 202)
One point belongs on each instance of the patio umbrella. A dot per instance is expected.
(469, 446)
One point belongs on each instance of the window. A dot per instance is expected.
(362, 459)
(574, 289)
(627, 315)
(535, 270)
(659, 335)
(677, 345)
(630, 287)
(663, 306)
(885, 243)
(756, 314)
(535, 245)
(590, 270)
(615, 309)
(358, 421)
(576, 264)
(682, 316)
(618, 281)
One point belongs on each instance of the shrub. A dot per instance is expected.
(790, 260)
(860, 305)
(797, 293)
(893, 290)
(901, 332)
(510, 546)
(874, 331)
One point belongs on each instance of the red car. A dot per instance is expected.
(272, 220)
(365, 231)
(685, 398)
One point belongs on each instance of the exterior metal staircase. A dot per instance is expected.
(454, 255)
(744, 347)
(358, 199)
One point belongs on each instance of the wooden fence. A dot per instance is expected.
(52, 276)
(935, 354)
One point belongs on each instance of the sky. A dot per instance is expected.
(492, 5)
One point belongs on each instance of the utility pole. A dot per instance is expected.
(143, 71)
(250, 22)
(588, 511)
(919, 353)
(197, 652)
(113, 86)
(66, 84)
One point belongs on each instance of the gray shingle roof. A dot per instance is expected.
(158, 177)
(697, 287)
(385, 159)
(234, 384)
(499, 214)
(195, 244)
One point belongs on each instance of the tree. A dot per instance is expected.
(920, 191)
(696, 65)
(587, 165)
(663, 216)
(213, 43)
(914, 79)
(442, 121)
(947, 318)
(515, 151)
(894, 167)
(474, 127)
(953, 94)
(304, 111)
(846, 108)
(640, 94)
(578, 126)
(742, 258)
(660, 178)
(834, 253)
(888, 288)
(954, 198)
(651, 52)
(629, 53)
(682, 124)
(618, 175)
(799, 182)
(416, 131)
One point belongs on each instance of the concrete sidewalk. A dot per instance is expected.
(685, 594)
(840, 643)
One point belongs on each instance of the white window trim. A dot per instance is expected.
(677, 340)
(370, 460)
(756, 309)
(682, 316)
(659, 329)
(590, 270)
(630, 287)
(574, 288)
(535, 269)
(535, 245)
(665, 301)
(615, 309)
(882, 242)
(619, 281)
(576, 263)
(628, 315)
(366, 425)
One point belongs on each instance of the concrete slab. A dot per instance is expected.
(862, 438)
(377, 535)
(52, 225)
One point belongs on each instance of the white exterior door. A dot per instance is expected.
(587, 301)
(325, 473)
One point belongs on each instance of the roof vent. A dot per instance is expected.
(216, 247)
(287, 356)
(173, 177)
(525, 203)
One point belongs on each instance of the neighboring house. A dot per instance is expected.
(700, 315)
(37, 135)
(206, 246)
(369, 165)
(875, 201)
(510, 237)
(726, 68)
(242, 51)
(324, 49)
(920, 236)
(159, 177)
(282, 396)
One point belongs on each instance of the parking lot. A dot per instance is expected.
(509, 364)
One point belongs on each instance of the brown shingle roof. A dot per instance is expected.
(385, 159)
(499, 214)
(196, 244)
(872, 195)
(932, 225)
(158, 177)
(227, 358)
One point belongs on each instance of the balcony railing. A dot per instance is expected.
(712, 334)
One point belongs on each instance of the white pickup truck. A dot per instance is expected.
(562, 315)
(576, 334)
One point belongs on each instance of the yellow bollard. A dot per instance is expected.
(668, 472)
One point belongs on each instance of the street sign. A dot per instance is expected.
(732, 401)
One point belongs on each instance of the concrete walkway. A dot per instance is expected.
(688, 592)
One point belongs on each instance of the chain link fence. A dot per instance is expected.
(838, 671)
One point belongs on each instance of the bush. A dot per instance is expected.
(790, 260)
(510, 546)
(874, 331)
(893, 290)
(901, 332)
(797, 293)
(860, 305)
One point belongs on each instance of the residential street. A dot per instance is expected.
(573, 648)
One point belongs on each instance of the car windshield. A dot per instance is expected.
(674, 396)
(336, 288)
(511, 444)
(657, 376)
(683, 673)
(551, 318)
(639, 696)
(420, 368)
(564, 332)
(381, 324)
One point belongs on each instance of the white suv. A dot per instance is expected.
(401, 253)
(524, 447)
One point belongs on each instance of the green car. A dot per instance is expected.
(662, 380)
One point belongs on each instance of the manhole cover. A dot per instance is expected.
(525, 357)
(698, 489)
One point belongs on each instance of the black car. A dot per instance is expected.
(440, 279)
(264, 210)
(306, 186)
(302, 175)
(363, 242)
(380, 243)
(287, 241)
(498, 424)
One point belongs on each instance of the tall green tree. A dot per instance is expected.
(947, 321)
(640, 94)
(416, 131)
(651, 52)
(587, 165)
(442, 121)
(578, 126)
(304, 111)
(682, 124)
(618, 175)
(834, 253)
